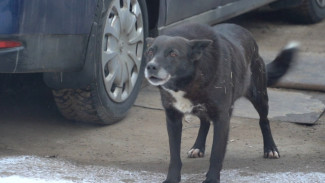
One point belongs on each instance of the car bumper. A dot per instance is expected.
(43, 53)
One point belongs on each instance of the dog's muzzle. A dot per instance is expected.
(156, 75)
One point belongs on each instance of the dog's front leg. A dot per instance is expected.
(220, 137)
(174, 128)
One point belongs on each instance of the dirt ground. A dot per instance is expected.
(30, 124)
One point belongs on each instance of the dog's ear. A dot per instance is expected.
(198, 46)
(149, 41)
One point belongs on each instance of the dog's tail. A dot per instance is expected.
(281, 64)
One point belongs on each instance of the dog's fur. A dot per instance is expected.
(202, 71)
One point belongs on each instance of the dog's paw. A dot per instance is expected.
(211, 181)
(171, 181)
(272, 154)
(195, 153)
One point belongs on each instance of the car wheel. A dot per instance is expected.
(310, 11)
(118, 59)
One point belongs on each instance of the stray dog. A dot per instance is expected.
(202, 71)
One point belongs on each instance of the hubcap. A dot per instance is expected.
(321, 3)
(122, 48)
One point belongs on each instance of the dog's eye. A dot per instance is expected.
(173, 54)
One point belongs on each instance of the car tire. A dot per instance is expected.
(118, 58)
(310, 11)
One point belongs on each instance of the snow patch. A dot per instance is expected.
(31, 169)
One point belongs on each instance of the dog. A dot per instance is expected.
(203, 70)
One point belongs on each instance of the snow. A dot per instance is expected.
(31, 169)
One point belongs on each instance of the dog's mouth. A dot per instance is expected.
(154, 80)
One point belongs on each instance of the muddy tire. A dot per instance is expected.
(76, 104)
(310, 11)
(118, 62)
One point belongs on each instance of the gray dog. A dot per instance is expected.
(202, 71)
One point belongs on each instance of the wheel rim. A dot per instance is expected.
(122, 48)
(321, 3)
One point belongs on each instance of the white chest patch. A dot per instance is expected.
(181, 103)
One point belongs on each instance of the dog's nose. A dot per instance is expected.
(152, 67)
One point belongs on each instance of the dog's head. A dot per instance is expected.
(170, 58)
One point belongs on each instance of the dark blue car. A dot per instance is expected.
(90, 51)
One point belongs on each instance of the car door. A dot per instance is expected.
(177, 10)
(224, 2)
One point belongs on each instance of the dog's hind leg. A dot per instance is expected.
(257, 94)
(198, 149)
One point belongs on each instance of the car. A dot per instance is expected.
(91, 51)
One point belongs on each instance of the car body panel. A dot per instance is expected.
(224, 10)
(46, 16)
(177, 10)
(52, 40)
